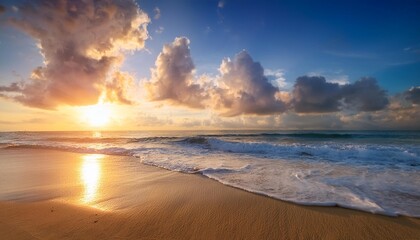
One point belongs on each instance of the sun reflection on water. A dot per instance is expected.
(97, 134)
(90, 175)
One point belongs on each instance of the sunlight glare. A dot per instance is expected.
(97, 115)
(90, 176)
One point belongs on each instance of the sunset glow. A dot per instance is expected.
(164, 119)
(96, 115)
(90, 174)
(147, 65)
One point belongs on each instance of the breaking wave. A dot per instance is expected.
(373, 172)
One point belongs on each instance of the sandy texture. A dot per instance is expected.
(172, 205)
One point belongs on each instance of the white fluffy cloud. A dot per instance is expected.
(173, 76)
(82, 42)
(244, 89)
(277, 78)
(241, 88)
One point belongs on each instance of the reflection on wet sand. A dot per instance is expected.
(90, 175)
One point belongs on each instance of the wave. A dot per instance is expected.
(296, 135)
(195, 140)
(323, 135)
(407, 156)
(153, 139)
(203, 138)
(348, 153)
(107, 140)
(378, 178)
(316, 184)
(85, 139)
(108, 151)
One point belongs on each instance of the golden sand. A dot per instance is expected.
(171, 205)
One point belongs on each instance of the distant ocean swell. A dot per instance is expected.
(377, 172)
(361, 153)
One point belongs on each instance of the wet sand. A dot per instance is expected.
(49, 194)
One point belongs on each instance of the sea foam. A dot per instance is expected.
(369, 171)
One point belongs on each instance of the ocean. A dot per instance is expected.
(372, 171)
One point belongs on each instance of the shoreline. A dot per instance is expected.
(162, 204)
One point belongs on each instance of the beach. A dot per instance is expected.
(59, 200)
(132, 119)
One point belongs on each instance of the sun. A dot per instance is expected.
(97, 115)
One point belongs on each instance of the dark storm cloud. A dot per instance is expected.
(413, 95)
(82, 43)
(316, 95)
(364, 95)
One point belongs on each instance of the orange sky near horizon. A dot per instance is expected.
(94, 66)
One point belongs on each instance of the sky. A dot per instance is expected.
(168, 65)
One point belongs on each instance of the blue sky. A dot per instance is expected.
(347, 38)
(353, 38)
(346, 42)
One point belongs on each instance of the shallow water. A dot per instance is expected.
(374, 171)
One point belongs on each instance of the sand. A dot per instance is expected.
(171, 205)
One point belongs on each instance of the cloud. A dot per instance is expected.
(340, 79)
(400, 117)
(241, 88)
(82, 43)
(332, 76)
(207, 30)
(316, 95)
(173, 76)
(157, 13)
(276, 77)
(221, 4)
(244, 89)
(116, 88)
(292, 120)
(365, 95)
(191, 123)
(412, 49)
(146, 120)
(29, 121)
(13, 87)
(413, 95)
(159, 30)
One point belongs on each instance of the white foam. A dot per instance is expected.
(373, 189)
(378, 178)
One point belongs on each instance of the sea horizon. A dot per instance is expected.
(219, 130)
(211, 119)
